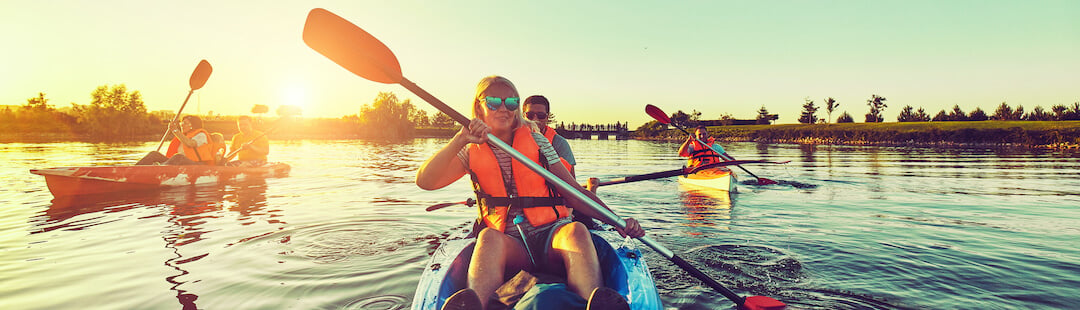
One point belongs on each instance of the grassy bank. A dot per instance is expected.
(1056, 134)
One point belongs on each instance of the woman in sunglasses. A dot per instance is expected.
(546, 239)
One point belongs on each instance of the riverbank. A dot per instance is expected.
(1038, 134)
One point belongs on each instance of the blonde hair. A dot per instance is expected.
(478, 108)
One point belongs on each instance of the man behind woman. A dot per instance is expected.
(506, 189)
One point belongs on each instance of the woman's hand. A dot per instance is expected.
(475, 132)
(633, 229)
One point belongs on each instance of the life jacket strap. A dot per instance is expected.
(521, 202)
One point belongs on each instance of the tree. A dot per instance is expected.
(907, 114)
(260, 109)
(650, 129)
(387, 118)
(441, 120)
(957, 114)
(764, 118)
(830, 105)
(420, 118)
(1003, 112)
(877, 107)
(726, 119)
(921, 116)
(685, 120)
(977, 115)
(1059, 111)
(845, 118)
(1038, 114)
(37, 104)
(940, 117)
(114, 112)
(809, 109)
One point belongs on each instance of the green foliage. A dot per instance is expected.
(685, 120)
(260, 109)
(387, 118)
(115, 113)
(845, 118)
(650, 129)
(441, 120)
(808, 111)
(877, 107)
(909, 115)
(830, 106)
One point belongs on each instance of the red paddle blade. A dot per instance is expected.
(351, 47)
(657, 114)
(762, 303)
(200, 75)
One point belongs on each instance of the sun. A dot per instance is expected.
(297, 96)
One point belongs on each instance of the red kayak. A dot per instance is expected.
(70, 181)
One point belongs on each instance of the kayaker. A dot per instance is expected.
(505, 189)
(191, 144)
(251, 154)
(701, 154)
(537, 108)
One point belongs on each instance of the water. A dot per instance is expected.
(847, 228)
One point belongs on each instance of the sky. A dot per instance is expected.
(596, 61)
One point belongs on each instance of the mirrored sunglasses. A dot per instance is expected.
(493, 103)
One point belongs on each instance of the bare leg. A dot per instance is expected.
(572, 244)
(495, 253)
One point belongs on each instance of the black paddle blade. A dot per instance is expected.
(200, 75)
(351, 47)
(657, 114)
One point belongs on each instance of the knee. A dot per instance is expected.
(578, 231)
(573, 235)
(489, 237)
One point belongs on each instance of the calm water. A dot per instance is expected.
(848, 228)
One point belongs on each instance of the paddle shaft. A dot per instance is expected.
(567, 188)
(176, 117)
(683, 171)
(237, 151)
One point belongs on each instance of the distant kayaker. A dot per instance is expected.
(506, 189)
(251, 154)
(701, 154)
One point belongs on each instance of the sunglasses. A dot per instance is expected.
(493, 103)
(536, 115)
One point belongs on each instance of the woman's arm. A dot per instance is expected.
(444, 167)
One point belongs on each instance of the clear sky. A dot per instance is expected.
(597, 61)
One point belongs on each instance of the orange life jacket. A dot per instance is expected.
(203, 154)
(534, 197)
(702, 154)
(550, 133)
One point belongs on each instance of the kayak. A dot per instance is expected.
(624, 270)
(71, 181)
(720, 178)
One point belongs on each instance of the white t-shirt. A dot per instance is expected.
(199, 138)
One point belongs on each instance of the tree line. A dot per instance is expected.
(1004, 112)
(114, 113)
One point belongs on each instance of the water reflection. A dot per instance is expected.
(188, 212)
(705, 207)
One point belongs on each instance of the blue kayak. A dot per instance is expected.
(624, 270)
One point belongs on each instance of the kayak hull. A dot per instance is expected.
(720, 178)
(624, 270)
(72, 181)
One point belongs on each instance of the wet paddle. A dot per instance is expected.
(684, 171)
(196, 81)
(663, 118)
(364, 55)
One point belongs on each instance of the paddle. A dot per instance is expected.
(468, 202)
(685, 171)
(364, 55)
(662, 117)
(282, 113)
(196, 81)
